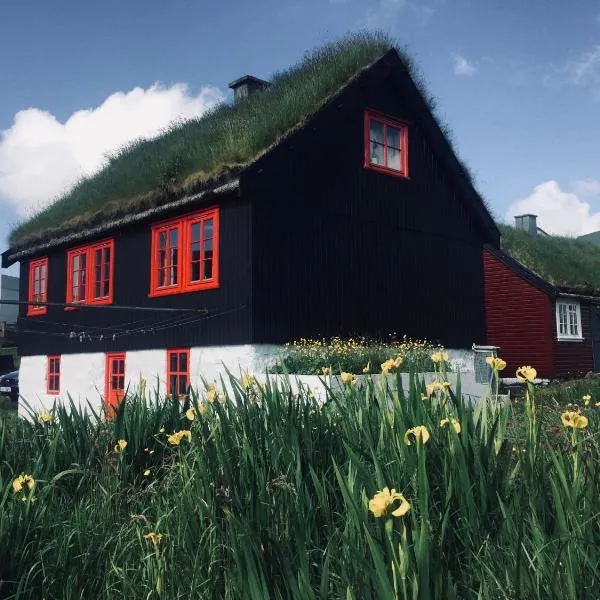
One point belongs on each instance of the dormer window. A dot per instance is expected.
(568, 320)
(386, 144)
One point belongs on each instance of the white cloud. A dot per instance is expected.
(586, 69)
(41, 157)
(560, 212)
(462, 66)
(586, 187)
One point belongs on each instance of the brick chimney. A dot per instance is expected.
(247, 85)
(527, 223)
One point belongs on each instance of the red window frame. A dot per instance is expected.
(92, 274)
(402, 127)
(177, 370)
(38, 271)
(53, 375)
(112, 358)
(182, 262)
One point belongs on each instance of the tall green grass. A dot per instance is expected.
(270, 500)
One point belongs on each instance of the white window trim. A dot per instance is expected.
(565, 336)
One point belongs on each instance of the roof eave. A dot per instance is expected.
(17, 253)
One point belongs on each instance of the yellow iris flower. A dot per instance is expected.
(526, 373)
(348, 378)
(439, 356)
(45, 417)
(419, 432)
(496, 363)
(587, 399)
(175, 438)
(247, 380)
(453, 422)
(120, 446)
(153, 537)
(392, 364)
(189, 413)
(22, 481)
(573, 419)
(384, 499)
(326, 370)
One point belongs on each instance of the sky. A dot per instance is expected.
(517, 82)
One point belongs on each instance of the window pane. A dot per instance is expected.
(208, 228)
(196, 232)
(162, 240)
(183, 366)
(173, 237)
(377, 154)
(114, 383)
(182, 384)
(393, 138)
(393, 157)
(208, 270)
(173, 384)
(376, 132)
(195, 271)
(173, 361)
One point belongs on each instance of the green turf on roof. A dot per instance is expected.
(146, 172)
(561, 261)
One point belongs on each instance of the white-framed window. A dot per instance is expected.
(568, 320)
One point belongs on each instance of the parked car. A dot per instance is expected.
(9, 385)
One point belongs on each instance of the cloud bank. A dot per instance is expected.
(462, 66)
(561, 212)
(41, 157)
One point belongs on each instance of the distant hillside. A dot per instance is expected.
(593, 237)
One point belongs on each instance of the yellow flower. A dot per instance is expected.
(573, 419)
(419, 432)
(175, 438)
(247, 380)
(348, 378)
(120, 446)
(435, 386)
(45, 417)
(202, 409)
(161, 430)
(189, 413)
(383, 500)
(454, 423)
(439, 356)
(153, 537)
(587, 399)
(597, 404)
(212, 393)
(22, 481)
(367, 368)
(146, 472)
(496, 363)
(526, 373)
(392, 364)
(326, 370)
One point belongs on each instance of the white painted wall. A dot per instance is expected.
(83, 376)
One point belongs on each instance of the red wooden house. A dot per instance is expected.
(536, 320)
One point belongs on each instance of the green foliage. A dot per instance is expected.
(270, 499)
(309, 357)
(561, 261)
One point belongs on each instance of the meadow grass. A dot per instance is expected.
(271, 496)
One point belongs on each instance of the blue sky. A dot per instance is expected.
(518, 82)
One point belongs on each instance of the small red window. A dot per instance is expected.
(184, 254)
(90, 274)
(53, 375)
(38, 287)
(178, 372)
(386, 144)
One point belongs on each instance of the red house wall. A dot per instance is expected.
(519, 319)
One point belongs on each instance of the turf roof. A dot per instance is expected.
(201, 152)
(562, 261)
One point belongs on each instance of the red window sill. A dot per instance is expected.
(35, 313)
(48, 393)
(386, 170)
(103, 302)
(158, 293)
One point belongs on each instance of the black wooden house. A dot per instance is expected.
(359, 220)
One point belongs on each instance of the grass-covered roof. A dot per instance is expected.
(197, 153)
(562, 261)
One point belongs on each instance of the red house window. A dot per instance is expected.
(38, 287)
(53, 375)
(386, 144)
(185, 254)
(178, 372)
(90, 273)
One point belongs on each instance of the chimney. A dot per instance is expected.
(246, 85)
(527, 223)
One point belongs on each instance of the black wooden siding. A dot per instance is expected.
(49, 334)
(340, 250)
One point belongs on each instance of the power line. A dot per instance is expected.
(109, 306)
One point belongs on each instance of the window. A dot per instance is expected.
(568, 320)
(386, 144)
(185, 254)
(114, 381)
(53, 375)
(90, 274)
(178, 372)
(38, 287)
